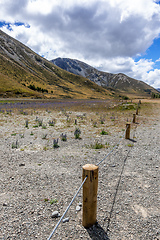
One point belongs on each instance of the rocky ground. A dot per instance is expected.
(37, 179)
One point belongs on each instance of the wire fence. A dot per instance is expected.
(67, 209)
(111, 150)
(55, 228)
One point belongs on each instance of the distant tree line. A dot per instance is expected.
(124, 97)
(155, 95)
(39, 89)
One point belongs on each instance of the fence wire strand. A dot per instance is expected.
(81, 187)
(67, 208)
(112, 149)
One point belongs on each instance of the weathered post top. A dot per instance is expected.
(90, 167)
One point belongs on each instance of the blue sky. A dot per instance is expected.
(153, 52)
(112, 35)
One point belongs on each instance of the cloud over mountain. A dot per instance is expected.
(106, 34)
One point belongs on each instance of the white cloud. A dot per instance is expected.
(153, 78)
(141, 70)
(104, 33)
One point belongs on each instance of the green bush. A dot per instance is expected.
(77, 133)
(104, 132)
(97, 145)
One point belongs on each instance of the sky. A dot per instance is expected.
(116, 36)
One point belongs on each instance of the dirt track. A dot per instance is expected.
(34, 174)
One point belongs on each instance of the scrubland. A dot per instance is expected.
(41, 168)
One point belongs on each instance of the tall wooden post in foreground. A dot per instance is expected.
(127, 135)
(90, 187)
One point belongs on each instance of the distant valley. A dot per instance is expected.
(119, 82)
(23, 73)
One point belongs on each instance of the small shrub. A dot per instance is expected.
(104, 132)
(68, 119)
(15, 145)
(13, 134)
(44, 126)
(128, 106)
(45, 148)
(26, 124)
(130, 145)
(53, 201)
(44, 136)
(97, 145)
(25, 113)
(63, 137)
(40, 122)
(35, 126)
(107, 145)
(102, 120)
(21, 135)
(55, 143)
(52, 123)
(31, 133)
(125, 97)
(46, 199)
(95, 124)
(77, 133)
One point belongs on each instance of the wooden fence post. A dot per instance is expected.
(127, 135)
(137, 111)
(90, 187)
(134, 118)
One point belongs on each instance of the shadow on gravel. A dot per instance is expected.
(132, 140)
(96, 232)
(108, 218)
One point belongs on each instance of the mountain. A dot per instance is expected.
(23, 73)
(119, 82)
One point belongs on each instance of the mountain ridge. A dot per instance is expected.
(23, 73)
(120, 81)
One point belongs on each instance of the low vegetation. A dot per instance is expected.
(47, 124)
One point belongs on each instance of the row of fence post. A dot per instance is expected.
(90, 187)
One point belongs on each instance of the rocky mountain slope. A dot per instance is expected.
(118, 81)
(23, 73)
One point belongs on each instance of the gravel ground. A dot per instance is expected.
(37, 179)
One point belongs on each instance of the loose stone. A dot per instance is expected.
(65, 220)
(21, 164)
(78, 208)
(55, 214)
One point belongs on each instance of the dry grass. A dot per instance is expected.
(15, 78)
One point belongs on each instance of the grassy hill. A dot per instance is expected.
(23, 73)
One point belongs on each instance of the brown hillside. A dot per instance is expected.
(23, 73)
